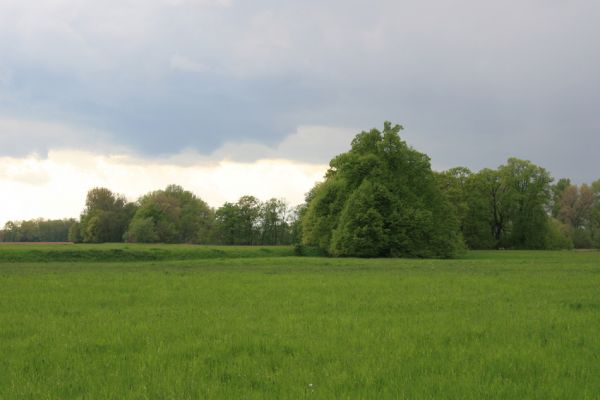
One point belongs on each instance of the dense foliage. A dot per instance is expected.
(381, 199)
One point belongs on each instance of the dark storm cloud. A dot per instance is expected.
(473, 82)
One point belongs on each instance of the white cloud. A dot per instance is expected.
(312, 144)
(55, 187)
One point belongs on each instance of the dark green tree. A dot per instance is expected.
(275, 226)
(453, 184)
(227, 224)
(529, 191)
(381, 198)
(173, 215)
(105, 217)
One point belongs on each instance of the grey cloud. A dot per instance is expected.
(25, 137)
(473, 82)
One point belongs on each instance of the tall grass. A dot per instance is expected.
(496, 325)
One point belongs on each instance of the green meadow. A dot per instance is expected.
(194, 322)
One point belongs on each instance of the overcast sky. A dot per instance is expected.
(229, 97)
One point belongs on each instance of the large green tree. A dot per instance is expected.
(381, 199)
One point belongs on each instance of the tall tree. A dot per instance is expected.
(275, 222)
(487, 218)
(557, 192)
(249, 220)
(453, 183)
(381, 198)
(227, 224)
(529, 188)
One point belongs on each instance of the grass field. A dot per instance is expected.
(494, 325)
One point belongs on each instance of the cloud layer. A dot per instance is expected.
(474, 82)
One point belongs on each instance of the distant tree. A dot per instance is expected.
(381, 199)
(595, 186)
(576, 206)
(106, 216)
(557, 191)
(252, 222)
(37, 230)
(11, 232)
(227, 224)
(296, 223)
(529, 191)
(173, 215)
(558, 236)
(249, 209)
(74, 234)
(487, 219)
(142, 230)
(577, 211)
(275, 222)
(453, 184)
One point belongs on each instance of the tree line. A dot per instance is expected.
(516, 206)
(172, 215)
(37, 230)
(381, 198)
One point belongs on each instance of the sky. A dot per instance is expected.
(231, 97)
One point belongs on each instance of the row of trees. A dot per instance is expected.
(175, 215)
(517, 206)
(37, 230)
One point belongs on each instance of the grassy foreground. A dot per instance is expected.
(496, 325)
